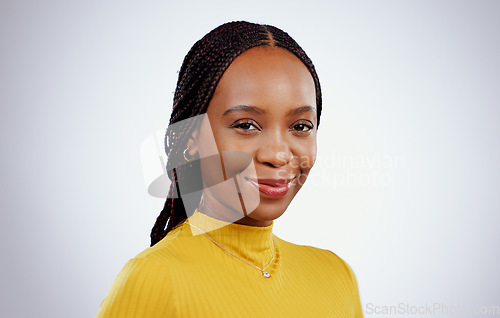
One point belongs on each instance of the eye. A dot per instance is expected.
(246, 125)
(302, 127)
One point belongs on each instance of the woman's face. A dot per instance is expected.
(265, 106)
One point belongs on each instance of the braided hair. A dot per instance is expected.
(200, 72)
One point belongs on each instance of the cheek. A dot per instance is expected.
(206, 142)
(218, 149)
(228, 141)
(305, 160)
(306, 163)
(307, 155)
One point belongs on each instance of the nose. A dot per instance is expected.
(275, 150)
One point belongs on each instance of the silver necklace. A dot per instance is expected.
(263, 270)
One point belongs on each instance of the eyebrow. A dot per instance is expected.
(258, 110)
(246, 108)
(300, 110)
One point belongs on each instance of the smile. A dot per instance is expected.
(275, 188)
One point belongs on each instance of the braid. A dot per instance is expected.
(199, 75)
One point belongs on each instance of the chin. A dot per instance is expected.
(270, 209)
(269, 214)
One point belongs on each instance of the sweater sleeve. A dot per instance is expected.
(358, 312)
(141, 289)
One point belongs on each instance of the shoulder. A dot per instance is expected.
(321, 259)
(139, 290)
(311, 251)
(327, 268)
(172, 249)
(145, 282)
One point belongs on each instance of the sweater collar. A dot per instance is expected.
(253, 244)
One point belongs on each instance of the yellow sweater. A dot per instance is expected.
(187, 275)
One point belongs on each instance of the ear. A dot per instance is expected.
(192, 143)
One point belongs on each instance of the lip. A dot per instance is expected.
(274, 188)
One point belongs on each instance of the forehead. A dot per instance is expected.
(266, 77)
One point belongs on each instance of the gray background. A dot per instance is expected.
(405, 188)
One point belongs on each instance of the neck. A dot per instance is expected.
(220, 211)
(251, 243)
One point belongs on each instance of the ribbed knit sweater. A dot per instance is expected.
(188, 275)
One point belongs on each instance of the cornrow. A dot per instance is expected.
(199, 75)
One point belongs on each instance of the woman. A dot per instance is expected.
(241, 142)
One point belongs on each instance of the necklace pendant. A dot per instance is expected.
(266, 274)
